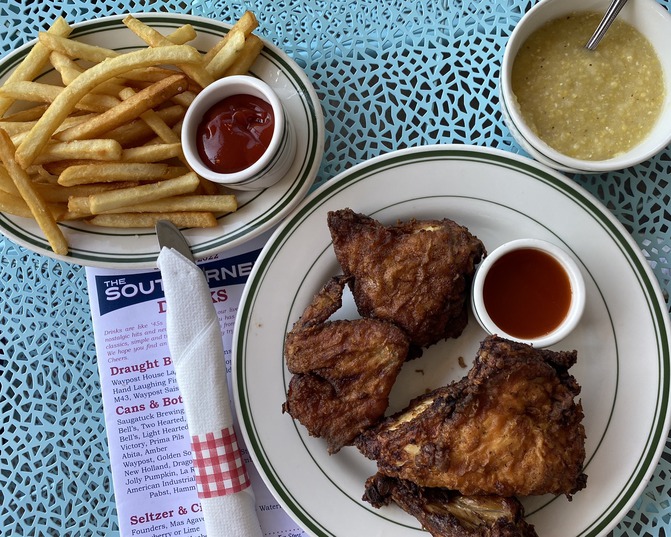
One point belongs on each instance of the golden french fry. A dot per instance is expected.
(107, 201)
(80, 206)
(247, 24)
(154, 121)
(34, 62)
(84, 83)
(14, 128)
(96, 149)
(138, 132)
(182, 35)
(160, 127)
(66, 66)
(126, 110)
(227, 54)
(7, 184)
(155, 39)
(246, 57)
(152, 153)
(14, 205)
(131, 220)
(148, 74)
(104, 172)
(17, 206)
(38, 207)
(29, 114)
(76, 49)
(48, 93)
(55, 193)
(69, 70)
(220, 204)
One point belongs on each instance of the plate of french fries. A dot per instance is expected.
(90, 151)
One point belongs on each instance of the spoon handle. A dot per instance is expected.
(608, 18)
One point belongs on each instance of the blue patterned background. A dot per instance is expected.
(390, 74)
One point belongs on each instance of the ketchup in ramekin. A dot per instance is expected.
(235, 133)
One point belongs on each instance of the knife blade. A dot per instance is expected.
(170, 236)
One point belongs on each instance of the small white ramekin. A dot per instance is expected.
(275, 161)
(576, 281)
(649, 18)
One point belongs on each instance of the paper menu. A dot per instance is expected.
(152, 470)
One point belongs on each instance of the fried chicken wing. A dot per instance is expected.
(510, 427)
(445, 513)
(342, 370)
(415, 274)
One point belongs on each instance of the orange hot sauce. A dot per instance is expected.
(527, 293)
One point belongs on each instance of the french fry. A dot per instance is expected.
(34, 62)
(227, 55)
(220, 204)
(96, 149)
(55, 193)
(147, 220)
(107, 201)
(138, 132)
(29, 114)
(126, 110)
(154, 121)
(7, 185)
(38, 207)
(160, 127)
(117, 171)
(83, 84)
(14, 205)
(48, 93)
(246, 57)
(152, 153)
(66, 66)
(17, 206)
(155, 39)
(247, 24)
(69, 70)
(182, 35)
(14, 128)
(76, 49)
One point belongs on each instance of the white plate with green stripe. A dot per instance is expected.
(257, 212)
(622, 341)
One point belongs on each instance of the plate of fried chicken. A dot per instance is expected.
(373, 404)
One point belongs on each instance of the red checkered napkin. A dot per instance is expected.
(218, 463)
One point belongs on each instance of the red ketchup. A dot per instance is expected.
(234, 133)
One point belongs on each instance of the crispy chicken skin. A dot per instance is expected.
(415, 274)
(342, 370)
(445, 513)
(510, 427)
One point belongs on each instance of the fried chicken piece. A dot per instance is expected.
(416, 274)
(510, 427)
(446, 513)
(342, 370)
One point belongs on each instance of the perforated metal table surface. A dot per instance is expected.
(371, 62)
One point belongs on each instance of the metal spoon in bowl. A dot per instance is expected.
(608, 18)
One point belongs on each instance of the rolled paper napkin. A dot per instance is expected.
(195, 342)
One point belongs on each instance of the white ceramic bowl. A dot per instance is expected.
(275, 161)
(649, 18)
(575, 278)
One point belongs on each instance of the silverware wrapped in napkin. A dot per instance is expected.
(196, 346)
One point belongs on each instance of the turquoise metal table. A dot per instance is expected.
(390, 74)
